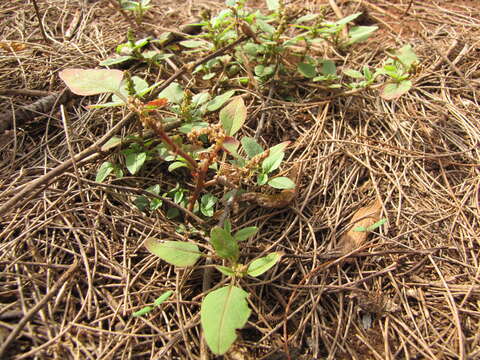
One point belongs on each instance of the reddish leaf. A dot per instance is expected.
(92, 81)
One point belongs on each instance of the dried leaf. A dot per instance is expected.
(275, 201)
(12, 46)
(364, 217)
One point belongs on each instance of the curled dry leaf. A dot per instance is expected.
(364, 217)
(12, 46)
(275, 201)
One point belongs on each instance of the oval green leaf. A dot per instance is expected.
(224, 244)
(307, 70)
(395, 90)
(360, 33)
(104, 170)
(92, 81)
(251, 146)
(112, 143)
(281, 183)
(115, 60)
(245, 233)
(223, 311)
(134, 161)
(173, 92)
(177, 253)
(233, 116)
(225, 270)
(353, 73)
(259, 266)
(218, 101)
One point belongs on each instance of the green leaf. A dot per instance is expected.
(265, 27)
(173, 92)
(92, 81)
(142, 311)
(172, 213)
(367, 73)
(259, 69)
(245, 233)
(233, 116)
(394, 90)
(273, 5)
(208, 201)
(154, 189)
(224, 244)
(115, 60)
(162, 298)
(347, 19)
(275, 157)
(259, 266)
(200, 98)
(307, 70)
(218, 101)
(192, 44)
(251, 146)
(371, 227)
(406, 55)
(103, 171)
(227, 225)
(207, 204)
(141, 203)
(176, 165)
(273, 161)
(353, 73)
(208, 76)
(281, 183)
(223, 311)
(139, 85)
(155, 204)
(360, 33)
(177, 253)
(225, 270)
(134, 161)
(328, 67)
(253, 49)
(262, 179)
(110, 144)
(306, 18)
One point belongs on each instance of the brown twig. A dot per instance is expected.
(37, 307)
(25, 92)
(28, 112)
(40, 23)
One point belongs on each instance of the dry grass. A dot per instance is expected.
(419, 277)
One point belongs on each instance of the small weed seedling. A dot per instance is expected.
(225, 309)
(137, 7)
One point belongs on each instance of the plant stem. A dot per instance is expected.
(40, 23)
(202, 173)
(157, 127)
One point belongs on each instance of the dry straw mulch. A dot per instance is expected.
(72, 261)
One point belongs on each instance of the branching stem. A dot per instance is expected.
(157, 127)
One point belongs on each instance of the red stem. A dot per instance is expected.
(157, 127)
(202, 173)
